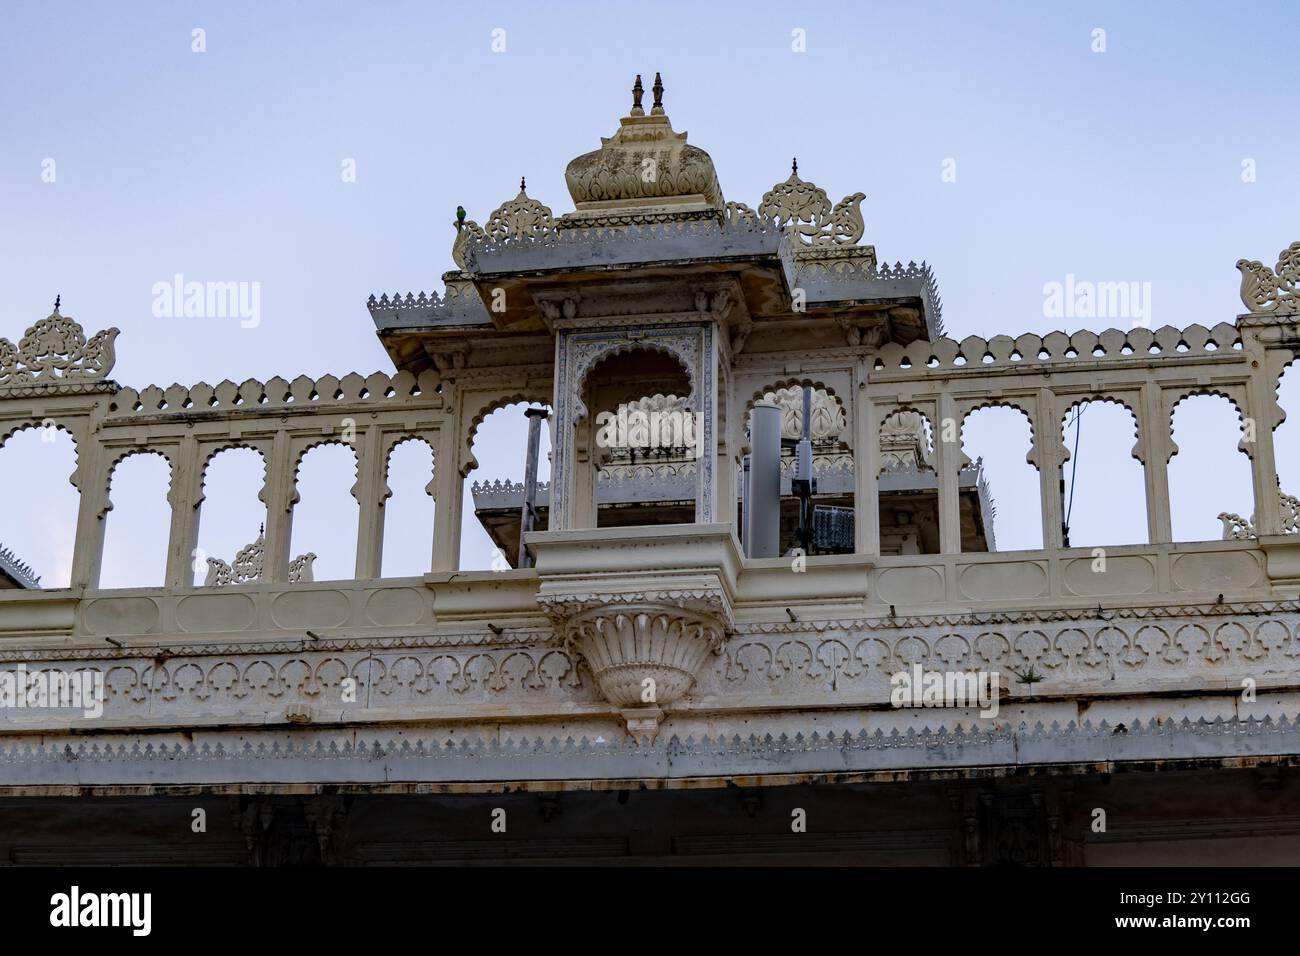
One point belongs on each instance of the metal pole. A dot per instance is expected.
(528, 515)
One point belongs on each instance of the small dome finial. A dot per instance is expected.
(658, 90)
(794, 166)
(523, 184)
(637, 92)
(56, 304)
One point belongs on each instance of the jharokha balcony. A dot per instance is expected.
(628, 630)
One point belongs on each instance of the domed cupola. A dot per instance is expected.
(644, 173)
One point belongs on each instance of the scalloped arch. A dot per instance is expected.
(74, 479)
(530, 397)
(616, 348)
(1030, 458)
(232, 445)
(1211, 391)
(1102, 398)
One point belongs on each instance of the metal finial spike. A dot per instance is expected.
(794, 166)
(57, 298)
(261, 530)
(522, 184)
(658, 90)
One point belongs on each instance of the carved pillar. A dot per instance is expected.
(1262, 411)
(866, 468)
(373, 493)
(91, 479)
(706, 402)
(279, 495)
(949, 464)
(1048, 453)
(1154, 431)
(185, 496)
(447, 498)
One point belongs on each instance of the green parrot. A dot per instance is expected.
(460, 217)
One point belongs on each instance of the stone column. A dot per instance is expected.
(279, 496)
(448, 497)
(1153, 427)
(866, 467)
(92, 481)
(185, 496)
(371, 497)
(1047, 451)
(949, 464)
(1262, 411)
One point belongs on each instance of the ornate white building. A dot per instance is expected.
(381, 719)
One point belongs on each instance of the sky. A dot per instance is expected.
(1010, 145)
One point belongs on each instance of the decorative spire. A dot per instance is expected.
(658, 89)
(523, 185)
(57, 298)
(794, 166)
(637, 91)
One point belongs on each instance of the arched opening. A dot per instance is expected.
(39, 526)
(492, 505)
(138, 523)
(908, 485)
(998, 440)
(1208, 475)
(637, 450)
(408, 512)
(1105, 489)
(1286, 439)
(231, 515)
(325, 517)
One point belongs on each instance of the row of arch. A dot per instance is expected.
(1103, 485)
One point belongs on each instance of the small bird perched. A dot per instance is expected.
(460, 217)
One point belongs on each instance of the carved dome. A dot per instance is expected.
(645, 170)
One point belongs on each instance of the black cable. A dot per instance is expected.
(1074, 463)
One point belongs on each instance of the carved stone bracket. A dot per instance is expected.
(647, 624)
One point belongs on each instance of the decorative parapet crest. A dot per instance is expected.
(248, 566)
(19, 570)
(1237, 527)
(1266, 291)
(55, 352)
(805, 209)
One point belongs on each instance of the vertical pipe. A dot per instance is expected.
(528, 516)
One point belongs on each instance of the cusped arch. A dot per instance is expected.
(531, 397)
(123, 455)
(685, 355)
(1103, 398)
(398, 441)
(232, 446)
(1030, 458)
(1213, 391)
(317, 443)
(797, 381)
(74, 479)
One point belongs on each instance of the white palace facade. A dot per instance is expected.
(381, 720)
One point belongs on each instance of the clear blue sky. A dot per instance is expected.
(225, 165)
